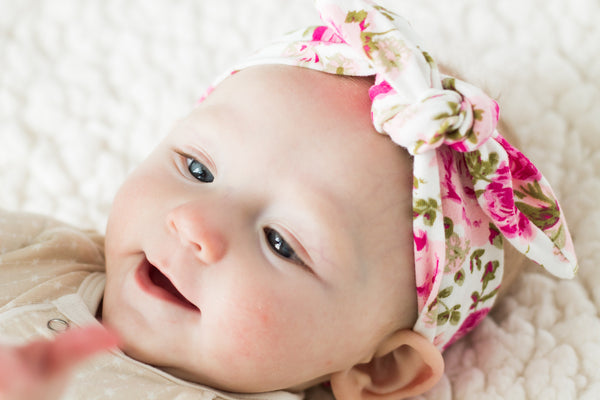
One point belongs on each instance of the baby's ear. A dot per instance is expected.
(405, 364)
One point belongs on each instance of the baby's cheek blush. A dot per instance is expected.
(252, 330)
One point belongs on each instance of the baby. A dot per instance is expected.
(334, 211)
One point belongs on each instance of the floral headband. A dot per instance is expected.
(471, 188)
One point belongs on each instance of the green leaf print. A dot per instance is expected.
(356, 16)
(454, 110)
(448, 227)
(449, 84)
(428, 58)
(477, 114)
(451, 315)
(418, 145)
(497, 239)
(479, 298)
(367, 38)
(481, 169)
(459, 277)
(489, 274)
(427, 209)
(456, 251)
(443, 317)
(542, 217)
(454, 317)
(390, 45)
(560, 238)
(385, 12)
(476, 259)
(445, 292)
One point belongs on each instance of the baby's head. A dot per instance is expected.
(275, 239)
(278, 211)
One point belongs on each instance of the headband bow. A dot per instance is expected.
(471, 188)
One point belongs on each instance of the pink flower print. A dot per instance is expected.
(525, 229)
(424, 290)
(340, 65)
(489, 270)
(325, 34)
(208, 91)
(448, 163)
(494, 234)
(380, 89)
(521, 167)
(303, 52)
(420, 239)
(505, 215)
(496, 109)
(470, 192)
(500, 202)
(485, 114)
(470, 216)
(468, 324)
(456, 253)
(461, 147)
(391, 53)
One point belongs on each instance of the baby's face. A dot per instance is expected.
(266, 242)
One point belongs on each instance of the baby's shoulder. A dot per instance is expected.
(18, 229)
(21, 229)
(39, 255)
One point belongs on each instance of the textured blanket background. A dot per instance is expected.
(87, 87)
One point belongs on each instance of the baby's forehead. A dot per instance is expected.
(326, 117)
(299, 88)
(310, 108)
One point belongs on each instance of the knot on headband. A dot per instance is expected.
(471, 189)
(458, 115)
(411, 102)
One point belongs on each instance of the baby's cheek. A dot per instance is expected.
(253, 329)
(262, 330)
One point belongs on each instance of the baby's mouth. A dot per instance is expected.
(170, 291)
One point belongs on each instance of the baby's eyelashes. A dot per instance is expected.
(194, 164)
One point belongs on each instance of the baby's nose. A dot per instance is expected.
(198, 231)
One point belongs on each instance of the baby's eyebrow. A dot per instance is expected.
(205, 127)
(203, 119)
(326, 227)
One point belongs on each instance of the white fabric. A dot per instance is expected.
(88, 87)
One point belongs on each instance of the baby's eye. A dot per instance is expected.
(281, 247)
(199, 171)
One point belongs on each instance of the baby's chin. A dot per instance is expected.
(228, 381)
(233, 384)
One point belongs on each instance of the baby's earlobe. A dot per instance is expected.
(404, 365)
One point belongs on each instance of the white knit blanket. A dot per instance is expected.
(88, 87)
